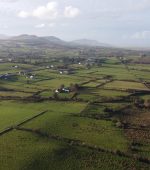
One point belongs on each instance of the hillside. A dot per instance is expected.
(91, 43)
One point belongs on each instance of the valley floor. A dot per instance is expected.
(104, 124)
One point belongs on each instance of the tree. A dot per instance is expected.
(147, 103)
(138, 102)
(74, 87)
(61, 86)
(55, 95)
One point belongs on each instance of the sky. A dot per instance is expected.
(116, 22)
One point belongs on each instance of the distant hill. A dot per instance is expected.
(29, 39)
(36, 41)
(47, 41)
(28, 43)
(4, 37)
(87, 42)
(51, 41)
(24, 37)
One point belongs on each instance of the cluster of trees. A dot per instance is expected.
(73, 88)
(141, 102)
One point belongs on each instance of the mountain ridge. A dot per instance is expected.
(26, 38)
(89, 42)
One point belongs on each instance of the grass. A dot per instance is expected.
(140, 66)
(115, 72)
(91, 84)
(125, 85)
(11, 93)
(18, 111)
(64, 124)
(47, 93)
(30, 152)
(9, 67)
(23, 150)
(55, 83)
(12, 112)
(145, 97)
(97, 94)
(111, 93)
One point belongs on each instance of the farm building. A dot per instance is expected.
(63, 90)
(7, 76)
(66, 71)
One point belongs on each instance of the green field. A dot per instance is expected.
(32, 152)
(125, 85)
(102, 112)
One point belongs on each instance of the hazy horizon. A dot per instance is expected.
(114, 22)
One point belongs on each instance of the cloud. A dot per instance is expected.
(43, 25)
(116, 8)
(141, 35)
(71, 12)
(8, 1)
(141, 5)
(51, 25)
(50, 11)
(23, 14)
(40, 26)
(47, 12)
(3, 26)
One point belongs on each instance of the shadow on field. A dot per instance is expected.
(63, 158)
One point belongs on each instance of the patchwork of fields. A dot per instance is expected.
(104, 124)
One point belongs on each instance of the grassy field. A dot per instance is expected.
(30, 152)
(18, 111)
(102, 115)
(81, 129)
(125, 85)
